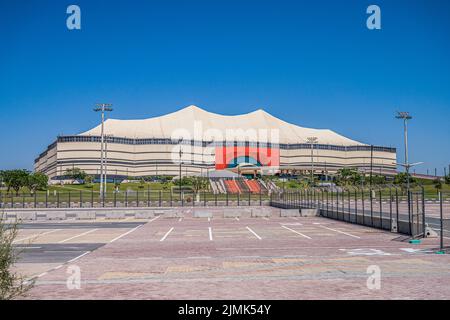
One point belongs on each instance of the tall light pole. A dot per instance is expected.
(405, 116)
(102, 107)
(312, 141)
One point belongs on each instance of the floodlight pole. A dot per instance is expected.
(102, 107)
(405, 116)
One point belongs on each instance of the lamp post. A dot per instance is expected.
(405, 116)
(102, 107)
(312, 141)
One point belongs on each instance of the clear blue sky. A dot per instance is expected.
(312, 63)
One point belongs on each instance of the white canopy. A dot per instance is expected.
(193, 121)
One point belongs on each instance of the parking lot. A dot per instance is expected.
(227, 258)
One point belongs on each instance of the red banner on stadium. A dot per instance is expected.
(230, 157)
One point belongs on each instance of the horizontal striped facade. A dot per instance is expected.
(156, 157)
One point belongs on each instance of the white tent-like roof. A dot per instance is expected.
(191, 120)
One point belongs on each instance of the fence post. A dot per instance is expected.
(137, 198)
(381, 209)
(441, 218)
(69, 199)
(396, 206)
(115, 199)
(390, 208)
(23, 199)
(371, 206)
(238, 198)
(159, 198)
(57, 199)
(46, 199)
(148, 196)
(356, 205)
(126, 198)
(81, 199)
(249, 197)
(226, 197)
(363, 206)
(423, 210)
(215, 199)
(349, 206)
(35, 199)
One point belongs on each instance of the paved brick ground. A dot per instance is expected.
(249, 258)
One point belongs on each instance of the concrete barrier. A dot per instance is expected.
(232, 213)
(56, 215)
(147, 214)
(115, 214)
(86, 215)
(26, 215)
(309, 212)
(203, 213)
(172, 214)
(261, 212)
(289, 212)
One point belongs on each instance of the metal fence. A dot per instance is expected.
(143, 198)
(386, 207)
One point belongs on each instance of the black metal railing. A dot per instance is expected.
(130, 198)
(390, 208)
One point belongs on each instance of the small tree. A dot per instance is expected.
(15, 179)
(88, 179)
(447, 179)
(75, 174)
(37, 181)
(437, 184)
(199, 183)
(12, 285)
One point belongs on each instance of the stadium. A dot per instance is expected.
(192, 141)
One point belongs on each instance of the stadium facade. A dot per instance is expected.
(256, 142)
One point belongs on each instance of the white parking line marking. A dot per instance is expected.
(236, 218)
(254, 233)
(36, 235)
(79, 235)
(347, 234)
(265, 218)
(42, 274)
(210, 234)
(76, 258)
(179, 220)
(299, 233)
(124, 234)
(294, 218)
(165, 236)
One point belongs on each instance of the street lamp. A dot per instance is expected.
(312, 141)
(405, 116)
(102, 107)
